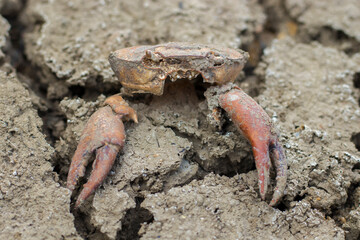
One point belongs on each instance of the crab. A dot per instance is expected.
(144, 69)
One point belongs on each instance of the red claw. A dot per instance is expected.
(104, 134)
(256, 125)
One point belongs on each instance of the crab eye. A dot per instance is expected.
(150, 55)
(215, 58)
(152, 59)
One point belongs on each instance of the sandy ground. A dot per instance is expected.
(179, 176)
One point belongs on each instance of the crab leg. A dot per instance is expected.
(104, 134)
(256, 125)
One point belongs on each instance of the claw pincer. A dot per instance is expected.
(257, 127)
(103, 135)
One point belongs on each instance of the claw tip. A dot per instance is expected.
(135, 119)
(262, 195)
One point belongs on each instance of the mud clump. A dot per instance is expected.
(31, 199)
(329, 22)
(321, 156)
(228, 208)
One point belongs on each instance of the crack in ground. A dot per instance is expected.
(356, 81)
(133, 220)
(54, 121)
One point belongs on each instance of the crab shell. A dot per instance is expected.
(144, 69)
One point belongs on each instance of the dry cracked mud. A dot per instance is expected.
(179, 176)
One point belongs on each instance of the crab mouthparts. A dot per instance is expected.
(182, 75)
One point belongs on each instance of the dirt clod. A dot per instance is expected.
(27, 180)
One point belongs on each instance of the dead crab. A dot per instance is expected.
(143, 69)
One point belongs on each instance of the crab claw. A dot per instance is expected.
(256, 125)
(104, 134)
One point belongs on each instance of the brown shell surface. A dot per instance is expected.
(144, 69)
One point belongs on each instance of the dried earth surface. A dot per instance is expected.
(179, 176)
